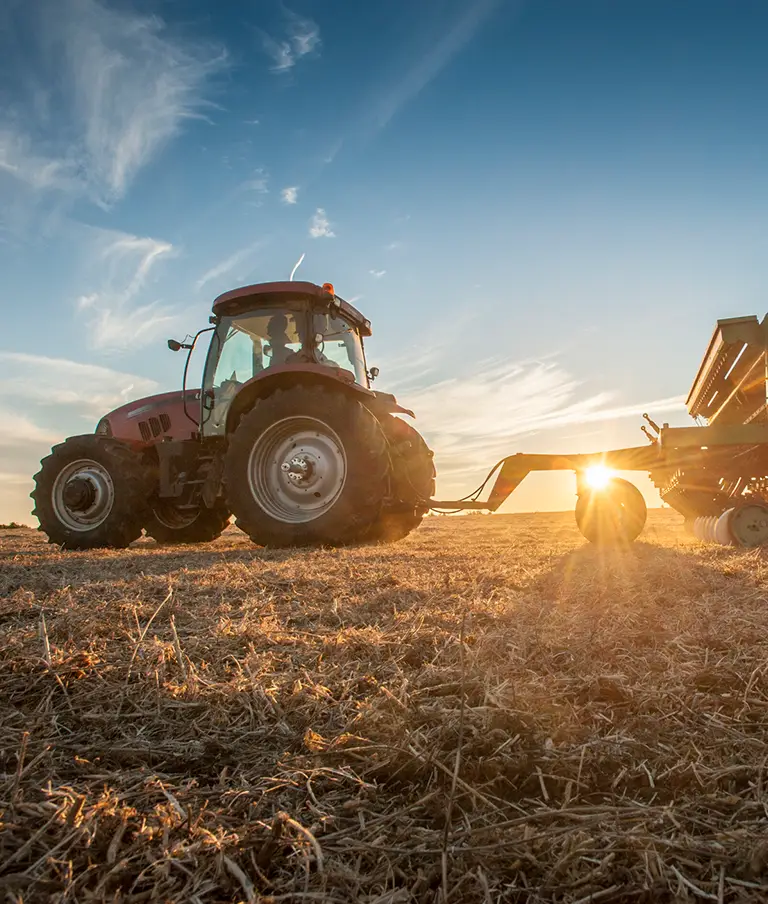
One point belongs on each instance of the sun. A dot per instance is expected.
(598, 477)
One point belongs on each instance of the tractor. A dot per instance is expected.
(285, 434)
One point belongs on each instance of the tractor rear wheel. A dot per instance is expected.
(90, 492)
(412, 482)
(615, 513)
(307, 466)
(170, 524)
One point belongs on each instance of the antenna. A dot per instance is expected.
(296, 267)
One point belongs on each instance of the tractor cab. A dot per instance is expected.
(270, 330)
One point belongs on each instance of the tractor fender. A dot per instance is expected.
(265, 384)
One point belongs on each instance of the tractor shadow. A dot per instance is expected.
(42, 568)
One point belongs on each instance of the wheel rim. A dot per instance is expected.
(297, 469)
(83, 495)
(749, 524)
(172, 517)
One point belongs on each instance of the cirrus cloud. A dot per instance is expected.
(302, 38)
(123, 87)
(118, 309)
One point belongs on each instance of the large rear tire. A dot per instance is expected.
(615, 514)
(412, 482)
(91, 492)
(307, 466)
(168, 524)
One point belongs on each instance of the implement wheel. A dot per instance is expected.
(91, 492)
(614, 514)
(748, 524)
(170, 524)
(307, 466)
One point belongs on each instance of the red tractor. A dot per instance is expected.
(285, 434)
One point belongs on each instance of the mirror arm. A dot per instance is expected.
(191, 347)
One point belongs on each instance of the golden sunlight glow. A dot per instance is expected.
(598, 477)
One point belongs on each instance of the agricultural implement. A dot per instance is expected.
(287, 435)
(715, 474)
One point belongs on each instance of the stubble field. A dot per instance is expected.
(489, 711)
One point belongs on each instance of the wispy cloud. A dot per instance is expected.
(377, 274)
(117, 311)
(258, 183)
(124, 88)
(319, 226)
(229, 263)
(20, 431)
(18, 159)
(472, 420)
(290, 195)
(415, 75)
(455, 37)
(302, 38)
(87, 389)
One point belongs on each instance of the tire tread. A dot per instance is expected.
(359, 506)
(124, 523)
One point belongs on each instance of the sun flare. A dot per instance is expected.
(598, 477)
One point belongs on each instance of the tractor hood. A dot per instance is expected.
(154, 418)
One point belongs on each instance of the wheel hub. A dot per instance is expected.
(304, 470)
(83, 495)
(297, 469)
(79, 494)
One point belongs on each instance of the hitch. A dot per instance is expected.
(515, 468)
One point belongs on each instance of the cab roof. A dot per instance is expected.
(277, 294)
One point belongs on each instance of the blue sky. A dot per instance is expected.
(542, 206)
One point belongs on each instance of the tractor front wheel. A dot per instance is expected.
(170, 524)
(307, 466)
(91, 492)
(614, 514)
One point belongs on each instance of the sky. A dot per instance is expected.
(543, 206)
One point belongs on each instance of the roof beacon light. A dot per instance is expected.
(328, 287)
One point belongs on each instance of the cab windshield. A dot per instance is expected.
(246, 345)
(242, 347)
(338, 343)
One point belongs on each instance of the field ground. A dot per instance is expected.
(488, 711)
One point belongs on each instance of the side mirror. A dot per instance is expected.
(373, 373)
(175, 346)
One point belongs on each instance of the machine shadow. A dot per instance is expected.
(48, 569)
(646, 582)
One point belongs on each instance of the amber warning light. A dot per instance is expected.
(328, 287)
